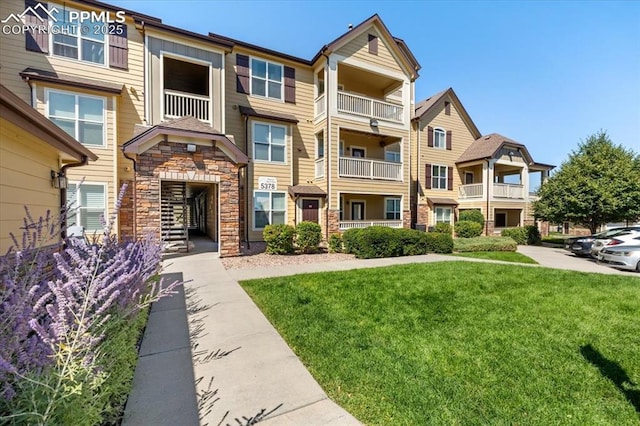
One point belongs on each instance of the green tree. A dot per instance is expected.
(597, 184)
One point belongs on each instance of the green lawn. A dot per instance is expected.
(465, 343)
(505, 256)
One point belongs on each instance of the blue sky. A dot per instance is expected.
(547, 74)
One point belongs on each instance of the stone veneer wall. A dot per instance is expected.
(171, 160)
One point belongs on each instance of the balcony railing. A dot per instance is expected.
(349, 224)
(369, 169)
(473, 190)
(181, 104)
(320, 105)
(320, 168)
(368, 107)
(507, 190)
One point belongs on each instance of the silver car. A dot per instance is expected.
(621, 257)
(600, 243)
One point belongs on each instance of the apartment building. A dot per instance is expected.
(456, 168)
(221, 137)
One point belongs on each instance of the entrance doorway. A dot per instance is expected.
(310, 210)
(357, 210)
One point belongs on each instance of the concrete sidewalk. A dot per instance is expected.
(242, 371)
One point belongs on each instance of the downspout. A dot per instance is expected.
(328, 145)
(418, 167)
(486, 222)
(246, 183)
(135, 193)
(63, 194)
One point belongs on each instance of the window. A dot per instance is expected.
(269, 208)
(320, 145)
(87, 206)
(266, 79)
(443, 214)
(392, 209)
(80, 116)
(72, 41)
(392, 153)
(438, 177)
(269, 142)
(439, 138)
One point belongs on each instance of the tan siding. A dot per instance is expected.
(25, 165)
(358, 48)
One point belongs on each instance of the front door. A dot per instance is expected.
(501, 220)
(357, 152)
(310, 210)
(357, 210)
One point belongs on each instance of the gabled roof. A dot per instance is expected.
(23, 115)
(188, 127)
(398, 44)
(488, 146)
(437, 102)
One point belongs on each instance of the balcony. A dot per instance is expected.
(350, 224)
(369, 169)
(369, 107)
(473, 190)
(319, 168)
(180, 104)
(320, 105)
(506, 190)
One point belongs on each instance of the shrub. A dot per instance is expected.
(519, 235)
(335, 243)
(378, 241)
(413, 242)
(484, 244)
(468, 229)
(351, 240)
(473, 216)
(308, 236)
(279, 238)
(443, 228)
(439, 243)
(533, 235)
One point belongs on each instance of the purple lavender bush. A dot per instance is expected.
(60, 307)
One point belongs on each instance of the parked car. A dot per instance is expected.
(621, 257)
(600, 243)
(581, 246)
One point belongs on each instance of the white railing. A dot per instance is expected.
(368, 107)
(320, 105)
(507, 190)
(181, 104)
(473, 190)
(349, 224)
(320, 168)
(370, 169)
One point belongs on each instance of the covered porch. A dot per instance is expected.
(364, 210)
(370, 156)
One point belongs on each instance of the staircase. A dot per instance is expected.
(173, 211)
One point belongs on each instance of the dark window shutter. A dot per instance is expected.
(35, 41)
(430, 136)
(447, 108)
(449, 137)
(290, 85)
(373, 44)
(118, 47)
(427, 180)
(450, 178)
(242, 74)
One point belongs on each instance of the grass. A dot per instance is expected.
(465, 343)
(556, 239)
(505, 256)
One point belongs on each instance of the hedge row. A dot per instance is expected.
(283, 239)
(529, 235)
(484, 244)
(378, 242)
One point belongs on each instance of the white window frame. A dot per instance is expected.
(320, 143)
(360, 148)
(266, 79)
(253, 142)
(271, 210)
(77, 114)
(473, 178)
(398, 153)
(442, 209)
(76, 207)
(79, 37)
(398, 212)
(438, 178)
(436, 131)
